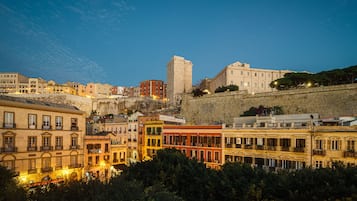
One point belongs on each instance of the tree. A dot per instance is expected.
(9, 188)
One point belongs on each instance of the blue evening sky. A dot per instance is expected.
(123, 42)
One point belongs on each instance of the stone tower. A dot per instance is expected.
(179, 79)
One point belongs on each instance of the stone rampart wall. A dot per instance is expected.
(328, 101)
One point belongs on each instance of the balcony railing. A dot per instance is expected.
(271, 148)
(284, 148)
(9, 149)
(9, 125)
(94, 151)
(74, 147)
(46, 148)
(32, 171)
(32, 148)
(350, 153)
(46, 127)
(248, 146)
(299, 149)
(74, 128)
(115, 161)
(260, 147)
(58, 147)
(47, 169)
(77, 165)
(319, 152)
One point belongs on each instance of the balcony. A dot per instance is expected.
(8, 149)
(260, 147)
(74, 128)
(9, 125)
(32, 171)
(94, 151)
(77, 165)
(46, 148)
(59, 127)
(271, 148)
(349, 153)
(46, 127)
(72, 147)
(32, 148)
(58, 147)
(299, 149)
(115, 161)
(284, 148)
(248, 146)
(319, 152)
(46, 169)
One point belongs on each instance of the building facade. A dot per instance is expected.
(203, 143)
(42, 142)
(13, 83)
(254, 80)
(155, 89)
(179, 78)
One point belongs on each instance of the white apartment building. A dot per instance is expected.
(179, 78)
(254, 80)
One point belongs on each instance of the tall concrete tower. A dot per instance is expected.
(179, 78)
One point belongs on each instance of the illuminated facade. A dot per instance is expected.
(203, 143)
(179, 78)
(155, 89)
(254, 80)
(41, 142)
(152, 138)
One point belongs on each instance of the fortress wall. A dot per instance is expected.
(328, 101)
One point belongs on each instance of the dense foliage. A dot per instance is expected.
(172, 176)
(325, 78)
(231, 87)
(263, 111)
(9, 188)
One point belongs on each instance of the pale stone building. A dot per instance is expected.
(13, 83)
(179, 78)
(98, 90)
(40, 141)
(254, 80)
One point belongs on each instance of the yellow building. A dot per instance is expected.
(103, 152)
(41, 142)
(152, 138)
(292, 147)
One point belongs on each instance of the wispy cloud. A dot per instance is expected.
(42, 53)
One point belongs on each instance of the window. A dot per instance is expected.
(32, 143)
(300, 143)
(74, 125)
(350, 145)
(58, 162)
(319, 144)
(9, 120)
(46, 143)
(259, 141)
(318, 164)
(46, 122)
(74, 142)
(32, 121)
(32, 165)
(9, 144)
(335, 145)
(59, 121)
(46, 164)
(96, 160)
(216, 157)
(9, 164)
(59, 143)
(74, 161)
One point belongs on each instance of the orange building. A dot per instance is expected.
(201, 142)
(153, 88)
